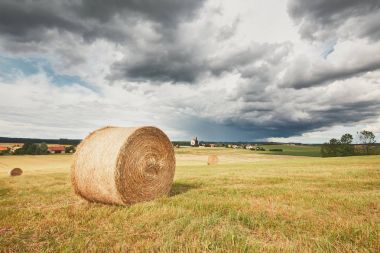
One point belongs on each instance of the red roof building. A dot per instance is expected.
(2, 148)
(56, 149)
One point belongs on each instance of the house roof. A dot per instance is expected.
(56, 148)
(2, 148)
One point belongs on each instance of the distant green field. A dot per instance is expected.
(298, 150)
(249, 202)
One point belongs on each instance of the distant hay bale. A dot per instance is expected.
(212, 160)
(15, 172)
(115, 165)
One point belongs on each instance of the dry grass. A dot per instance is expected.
(246, 203)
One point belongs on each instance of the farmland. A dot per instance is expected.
(298, 150)
(250, 201)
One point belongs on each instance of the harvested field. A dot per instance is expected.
(248, 202)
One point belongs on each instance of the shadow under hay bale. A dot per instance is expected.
(123, 166)
(15, 172)
(180, 188)
(212, 160)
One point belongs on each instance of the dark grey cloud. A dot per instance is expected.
(164, 62)
(302, 75)
(28, 20)
(371, 27)
(339, 21)
(272, 123)
(165, 12)
(177, 62)
(41, 25)
(244, 59)
(319, 19)
(279, 116)
(27, 25)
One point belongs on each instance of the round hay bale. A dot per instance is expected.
(15, 172)
(212, 160)
(115, 165)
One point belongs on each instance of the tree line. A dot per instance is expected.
(61, 141)
(345, 147)
(29, 148)
(32, 149)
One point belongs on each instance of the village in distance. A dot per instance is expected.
(365, 144)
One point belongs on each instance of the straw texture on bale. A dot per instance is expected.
(15, 172)
(212, 160)
(123, 166)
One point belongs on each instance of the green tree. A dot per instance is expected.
(346, 139)
(42, 149)
(29, 148)
(71, 149)
(334, 147)
(325, 150)
(367, 138)
(346, 148)
(32, 149)
(331, 148)
(19, 151)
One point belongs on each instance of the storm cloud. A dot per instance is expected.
(201, 68)
(354, 23)
(187, 63)
(319, 19)
(303, 73)
(24, 20)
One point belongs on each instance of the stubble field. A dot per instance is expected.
(248, 203)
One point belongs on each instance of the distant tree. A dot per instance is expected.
(367, 138)
(32, 149)
(335, 147)
(41, 149)
(346, 139)
(19, 151)
(346, 148)
(332, 148)
(71, 149)
(29, 148)
(325, 150)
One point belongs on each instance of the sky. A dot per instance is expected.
(276, 70)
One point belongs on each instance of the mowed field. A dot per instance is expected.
(250, 202)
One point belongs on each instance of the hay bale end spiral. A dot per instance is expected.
(123, 166)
